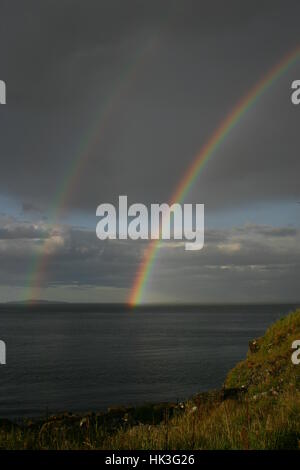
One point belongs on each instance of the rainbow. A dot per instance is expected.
(70, 179)
(205, 153)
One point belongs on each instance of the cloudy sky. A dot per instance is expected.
(111, 97)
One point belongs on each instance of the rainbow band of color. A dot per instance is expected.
(202, 158)
(69, 181)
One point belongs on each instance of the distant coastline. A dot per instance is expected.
(34, 304)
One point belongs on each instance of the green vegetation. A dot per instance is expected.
(258, 408)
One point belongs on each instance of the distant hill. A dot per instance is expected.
(34, 302)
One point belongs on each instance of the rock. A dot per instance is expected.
(233, 392)
(253, 346)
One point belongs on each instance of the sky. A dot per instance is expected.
(116, 97)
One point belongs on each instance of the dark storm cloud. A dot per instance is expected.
(246, 264)
(25, 232)
(71, 256)
(66, 63)
(31, 208)
(10, 229)
(137, 87)
(250, 261)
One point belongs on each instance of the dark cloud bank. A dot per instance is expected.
(137, 87)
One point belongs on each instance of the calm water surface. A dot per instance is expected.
(88, 360)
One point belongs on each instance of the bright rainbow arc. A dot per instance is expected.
(213, 143)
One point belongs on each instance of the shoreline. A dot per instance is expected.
(257, 408)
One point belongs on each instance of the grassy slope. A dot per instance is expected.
(258, 408)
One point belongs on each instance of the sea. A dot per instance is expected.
(88, 357)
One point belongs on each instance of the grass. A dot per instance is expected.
(258, 408)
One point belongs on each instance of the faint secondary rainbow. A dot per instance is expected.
(205, 153)
(69, 181)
